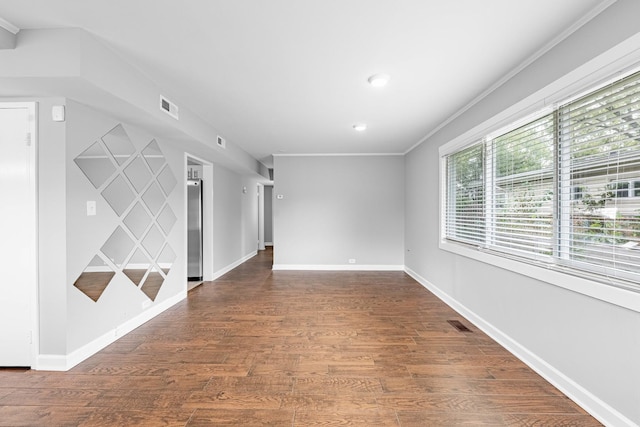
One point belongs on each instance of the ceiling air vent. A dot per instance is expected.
(168, 107)
(221, 142)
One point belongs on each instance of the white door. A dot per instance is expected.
(18, 272)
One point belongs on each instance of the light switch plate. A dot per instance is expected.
(91, 207)
(57, 113)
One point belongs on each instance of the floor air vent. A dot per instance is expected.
(459, 326)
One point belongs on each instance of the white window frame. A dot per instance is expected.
(612, 65)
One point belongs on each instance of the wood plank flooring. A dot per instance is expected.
(258, 348)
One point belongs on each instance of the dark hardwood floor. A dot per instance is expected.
(258, 347)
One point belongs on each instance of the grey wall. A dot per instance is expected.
(52, 261)
(121, 300)
(335, 208)
(73, 63)
(268, 214)
(594, 344)
(338, 207)
(68, 238)
(248, 236)
(235, 233)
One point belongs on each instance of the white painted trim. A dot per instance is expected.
(208, 201)
(35, 290)
(51, 362)
(337, 154)
(54, 362)
(150, 313)
(583, 397)
(619, 61)
(9, 26)
(338, 267)
(130, 266)
(524, 64)
(207, 215)
(261, 215)
(268, 243)
(614, 64)
(605, 292)
(233, 265)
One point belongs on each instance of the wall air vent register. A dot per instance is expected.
(168, 107)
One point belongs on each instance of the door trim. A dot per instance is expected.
(207, 215)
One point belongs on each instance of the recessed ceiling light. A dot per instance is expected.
(360, 127)
(379, 80)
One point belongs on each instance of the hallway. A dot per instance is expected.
(294, 348)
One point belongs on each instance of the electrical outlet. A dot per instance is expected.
(352, 260)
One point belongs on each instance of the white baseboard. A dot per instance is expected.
(268, 243)
(54, 362)
(338, 267)
(233, 265)
(51, 362)
(574, 391)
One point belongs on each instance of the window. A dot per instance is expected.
(578, 192)
(561, 190)
(465, 214)
(522, 183)
(618, 189)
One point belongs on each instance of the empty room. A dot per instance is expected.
(293, 213)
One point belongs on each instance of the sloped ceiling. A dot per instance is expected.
(290, 76)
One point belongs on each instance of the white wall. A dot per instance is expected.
(337, 208)
(588, 347)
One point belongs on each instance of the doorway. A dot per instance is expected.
(199, 221)
(194, 229)
(18, 225)
(265, 216)
(268, 215)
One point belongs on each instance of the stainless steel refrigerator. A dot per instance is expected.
(194, 229)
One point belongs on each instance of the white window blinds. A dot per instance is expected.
(599, 139)
(465, 216)
(563, 189)
(522, 172)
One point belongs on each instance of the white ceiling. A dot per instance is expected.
(290, 76)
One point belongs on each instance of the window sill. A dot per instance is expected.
(608, 293)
